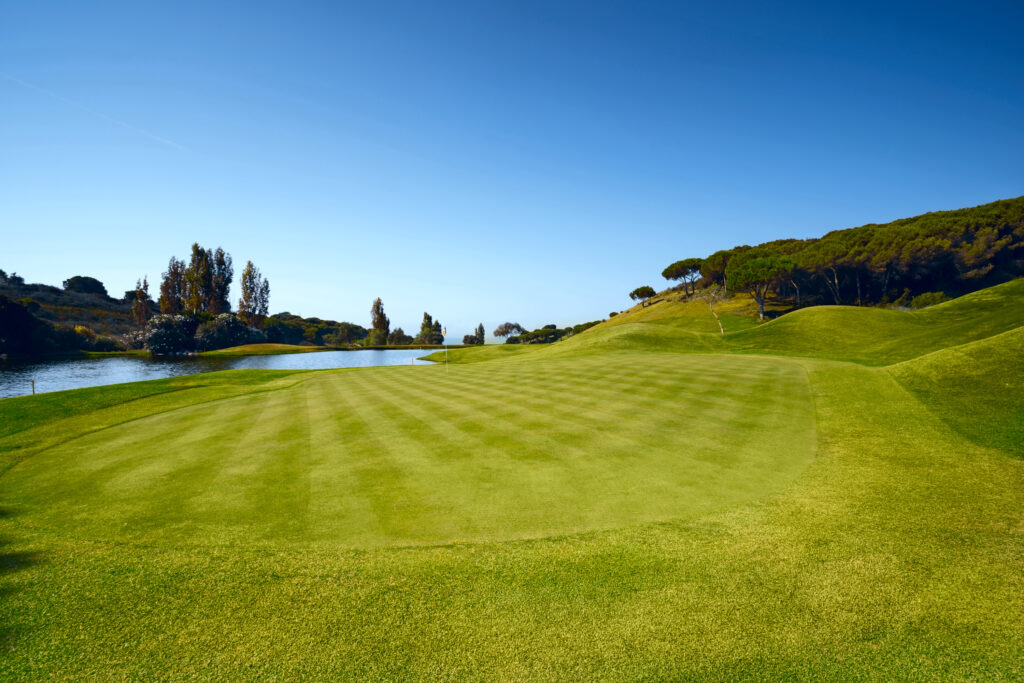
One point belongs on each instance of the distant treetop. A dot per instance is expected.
(85, 285)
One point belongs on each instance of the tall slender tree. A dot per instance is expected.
(263, 309)
(480, 334)
(221, 282)
(254, 304)
(198, 281)
(379, 324)
(140, 306)
(172, 288)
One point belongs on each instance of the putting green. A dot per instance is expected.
(419, 455)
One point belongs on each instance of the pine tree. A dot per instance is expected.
(480, 334)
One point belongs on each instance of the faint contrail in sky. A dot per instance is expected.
(90, 110)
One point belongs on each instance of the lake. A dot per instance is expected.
(58, 374)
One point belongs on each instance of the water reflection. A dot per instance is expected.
(73, 373)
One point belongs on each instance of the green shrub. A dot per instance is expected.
(928, 299)
(222, 332)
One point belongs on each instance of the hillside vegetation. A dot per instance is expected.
(871, 336)
(836, 494)
(912, 261)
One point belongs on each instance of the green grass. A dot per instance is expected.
(976, 388)
(140, 353)
(264, 350)
(409, 455)
(639, 501)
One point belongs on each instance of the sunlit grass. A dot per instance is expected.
(264, 350)
(629, 503)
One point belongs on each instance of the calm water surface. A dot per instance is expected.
(74, 373)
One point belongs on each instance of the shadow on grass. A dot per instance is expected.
(11, 562)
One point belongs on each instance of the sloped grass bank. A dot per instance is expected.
(977, 388)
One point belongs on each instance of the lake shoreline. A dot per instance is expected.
(22, 376)
(231, 352)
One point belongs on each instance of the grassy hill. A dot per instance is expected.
(838, 493)
(866, 335)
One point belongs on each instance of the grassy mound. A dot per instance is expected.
(977, 388)
(876, 336)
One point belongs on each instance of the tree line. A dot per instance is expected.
(911, 261)
(203, 285)
(431, 331)
(514, 333)
(195, 306)
(191, 313)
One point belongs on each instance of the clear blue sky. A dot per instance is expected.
(484, 160)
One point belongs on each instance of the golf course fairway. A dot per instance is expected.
(836, 494)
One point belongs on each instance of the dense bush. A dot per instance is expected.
(286, 328)
(170, 334)
(84, 284)
(90, 341)
(576, 329)
(545, 335)
(398, 337)
(928, 299)
(550, 334)
(136, 339)
(224, 331)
